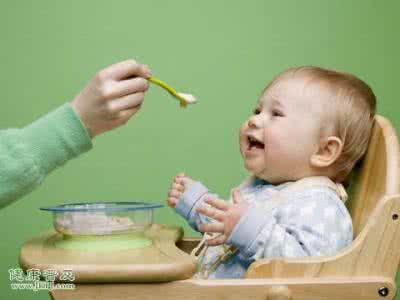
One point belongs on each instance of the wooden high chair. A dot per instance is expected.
(364, 270)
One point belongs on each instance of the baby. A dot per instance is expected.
(309, 128)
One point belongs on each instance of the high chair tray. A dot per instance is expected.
(161, 261)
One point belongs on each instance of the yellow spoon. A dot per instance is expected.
(183, 98)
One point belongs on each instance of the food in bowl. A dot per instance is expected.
(102, 218)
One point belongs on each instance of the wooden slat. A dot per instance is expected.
(239, 289)
(379, 174)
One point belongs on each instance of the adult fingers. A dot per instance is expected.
(125, 115)
(126, 69)
(126, 102)
(130, 86)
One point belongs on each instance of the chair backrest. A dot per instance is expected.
(378, 175)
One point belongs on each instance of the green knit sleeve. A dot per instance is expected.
(27, 155)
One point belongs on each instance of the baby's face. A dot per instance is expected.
(277, 141)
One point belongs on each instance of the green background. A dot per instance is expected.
(224, 52)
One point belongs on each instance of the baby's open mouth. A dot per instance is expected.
(254, 143)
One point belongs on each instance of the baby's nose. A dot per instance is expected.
(255, 122)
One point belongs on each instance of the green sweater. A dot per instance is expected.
(27, 155)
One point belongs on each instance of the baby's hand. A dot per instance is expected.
(226, 215)
(112, 96)
(178, 187)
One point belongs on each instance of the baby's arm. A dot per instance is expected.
(186, 196)
(313, 223)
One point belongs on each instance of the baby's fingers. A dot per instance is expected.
(219, 240)
(212, 227)
(179, 179)
(179, 175)
(174, 194)
(211, 213)
(217, 203)
(236, 196)
(178, 187)
(172, 202)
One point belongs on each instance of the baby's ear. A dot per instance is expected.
(328, 152)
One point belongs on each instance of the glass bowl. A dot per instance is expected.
(102, 218)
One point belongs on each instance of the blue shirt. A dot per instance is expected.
(309, 222)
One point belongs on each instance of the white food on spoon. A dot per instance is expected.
(188, 98)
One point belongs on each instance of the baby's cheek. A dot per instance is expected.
(277, 148)
(272, 141)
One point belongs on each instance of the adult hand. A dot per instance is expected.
(112, 97)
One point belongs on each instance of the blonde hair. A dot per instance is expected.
(354, 105)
